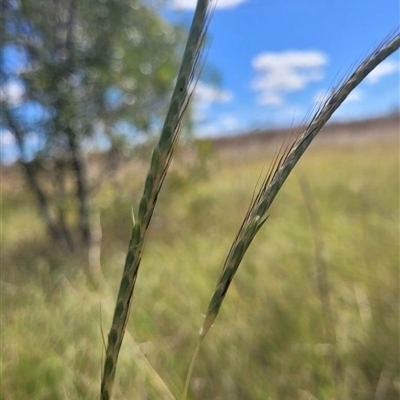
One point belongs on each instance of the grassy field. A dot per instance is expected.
(313, 312)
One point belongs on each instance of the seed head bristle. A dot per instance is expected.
(282, 164)
(161, 159)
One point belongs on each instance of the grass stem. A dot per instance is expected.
(191, 368)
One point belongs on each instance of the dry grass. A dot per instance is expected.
(282, 165)
(246, 145)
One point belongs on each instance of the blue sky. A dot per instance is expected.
(276, 58)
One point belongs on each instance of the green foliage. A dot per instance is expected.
(270, 338)
(81, 50)
(95, 76)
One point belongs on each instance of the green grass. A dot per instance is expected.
(270, 340)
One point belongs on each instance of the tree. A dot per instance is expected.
(75, 73)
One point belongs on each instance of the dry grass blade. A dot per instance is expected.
(160, 161)
(280, 169)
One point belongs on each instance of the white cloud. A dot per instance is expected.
(204, 96)
(388, 67)
(222, 125)
(191, 4)
(355, 95)
(286, 72)
(207, 94)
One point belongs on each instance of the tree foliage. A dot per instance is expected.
(74, 74)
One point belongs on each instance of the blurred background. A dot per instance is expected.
(313, 312)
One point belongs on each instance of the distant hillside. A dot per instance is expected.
(386, 128)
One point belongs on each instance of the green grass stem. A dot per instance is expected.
(281, 167)
(160, 161)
